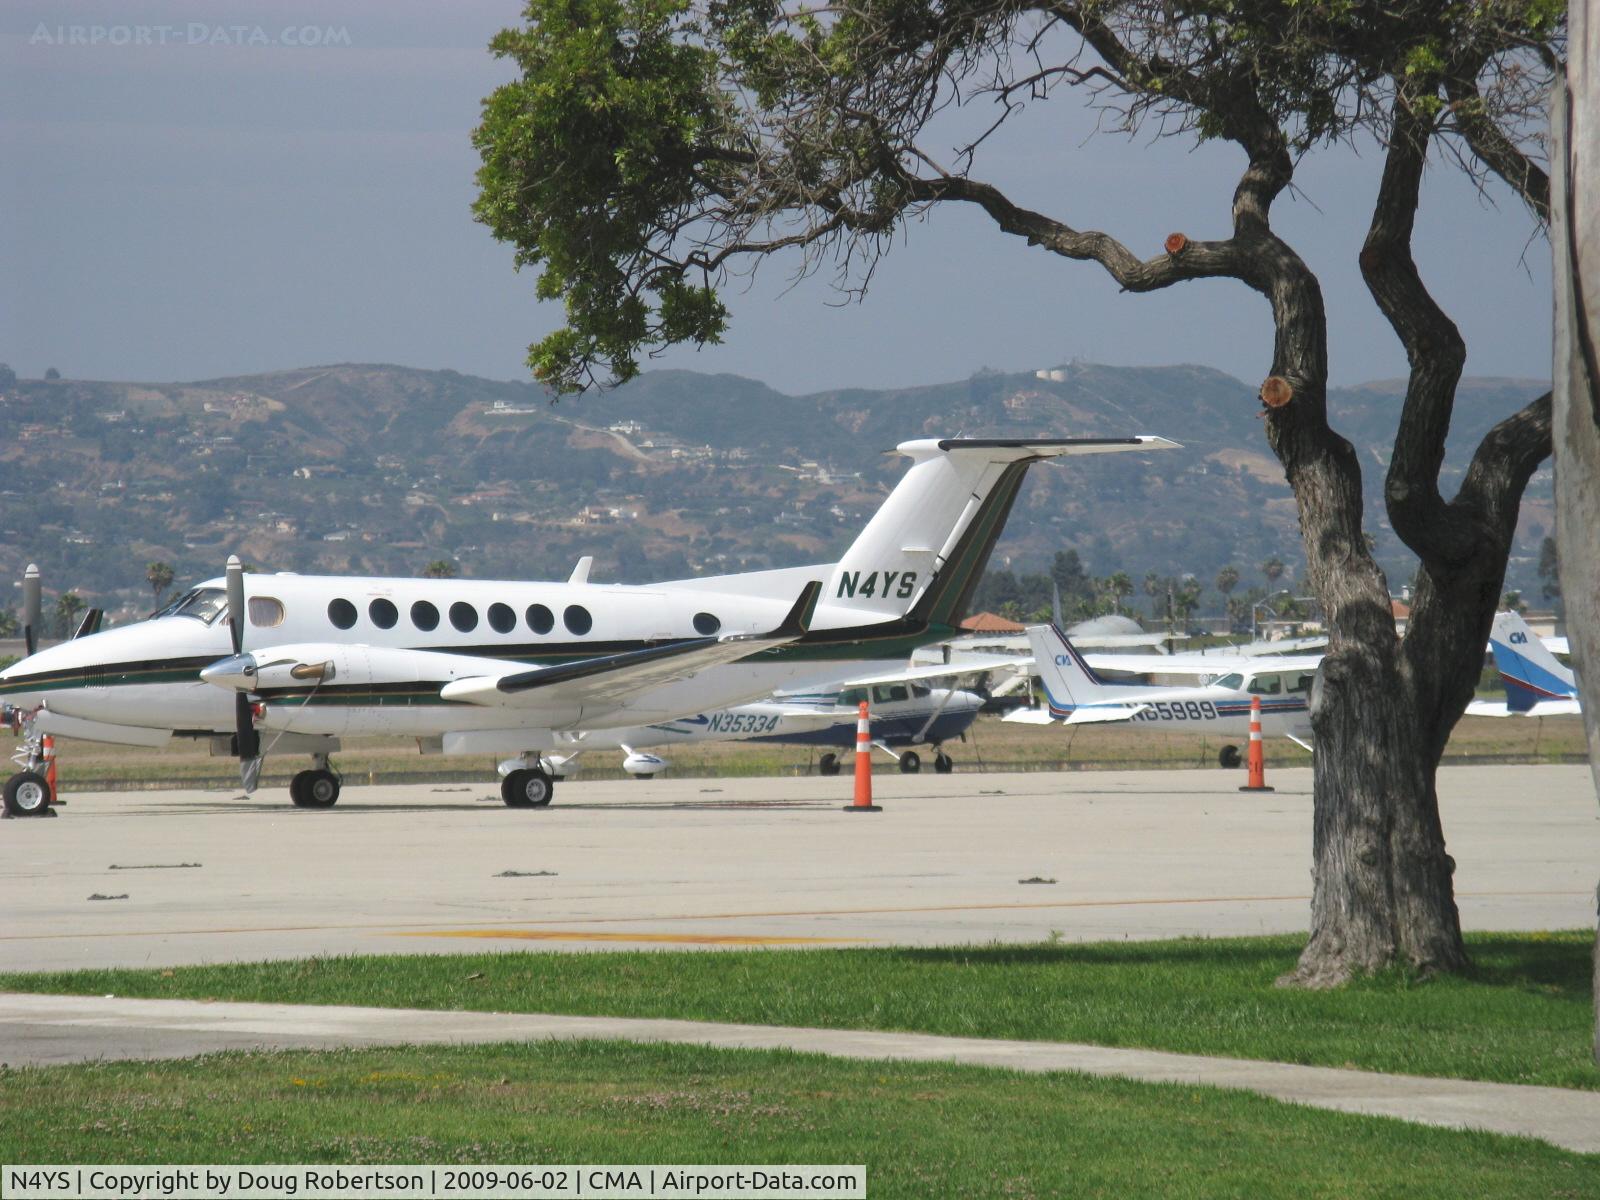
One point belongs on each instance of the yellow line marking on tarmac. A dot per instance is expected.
(578, 935)
(732, 916)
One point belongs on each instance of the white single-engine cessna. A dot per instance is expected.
(1077, 695)
(289, 663)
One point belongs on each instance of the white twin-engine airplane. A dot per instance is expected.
(1076, 695)
(289, 663)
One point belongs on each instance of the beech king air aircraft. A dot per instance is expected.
(290, 663)
(1077, 695)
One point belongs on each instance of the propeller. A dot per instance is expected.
(246, 740)
(31, 610)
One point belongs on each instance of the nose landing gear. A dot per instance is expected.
(28, 793)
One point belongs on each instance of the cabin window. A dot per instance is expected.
(577, 619)
(501, 618)
(424, 616)
(1232, 682)
(852, 696)
(383, 613)
(1302, 683)
(921, 691)
(1266, 685)
(889, 693)
(342, 613)
(463, 616)
(265, 612)
(540, 619)
(706, 624)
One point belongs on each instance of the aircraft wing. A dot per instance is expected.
(1098, 714)
(974, 665)
(1544, 708)
(613, 678)
(1197, 664)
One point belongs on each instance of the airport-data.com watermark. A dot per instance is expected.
(190, 33)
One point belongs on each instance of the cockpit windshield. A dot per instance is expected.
(1232, 682)
(203, 604)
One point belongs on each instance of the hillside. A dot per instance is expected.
(382, 469)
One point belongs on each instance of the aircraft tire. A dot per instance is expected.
(910, 762)
(1229, 759)
(828, 764)
(943, 764)
(317, 789)
(527, 789)
(27, 794)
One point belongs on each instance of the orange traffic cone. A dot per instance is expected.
(863, 800)
(1258, 757)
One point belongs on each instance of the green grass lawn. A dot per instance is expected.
(923, 1130)
(1523, 1015)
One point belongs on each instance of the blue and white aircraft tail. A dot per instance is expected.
(1535, 681)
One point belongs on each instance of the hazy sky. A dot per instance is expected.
(194, 207)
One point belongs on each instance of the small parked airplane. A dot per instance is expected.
(1076, 693)
(478, 667)
(905, 714)
(1536, 684)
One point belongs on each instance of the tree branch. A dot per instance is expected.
(1433, 345)
(1497, 151)
(1503, 463)
(1197, 260)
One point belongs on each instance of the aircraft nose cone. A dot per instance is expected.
(237, 673)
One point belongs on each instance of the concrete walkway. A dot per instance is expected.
(43, 1030)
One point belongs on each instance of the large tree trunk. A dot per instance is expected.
(1382, 892)
(1575, 237)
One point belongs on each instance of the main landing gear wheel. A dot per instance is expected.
(1228, 758)
(828, 764)
(314, 789)
(942, 763)
(910, 762)
(527, 789)
(27, 794)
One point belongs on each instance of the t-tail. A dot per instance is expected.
(1530, 672)
(1068, 680)
(924, 551)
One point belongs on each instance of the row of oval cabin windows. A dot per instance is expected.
(267, 613)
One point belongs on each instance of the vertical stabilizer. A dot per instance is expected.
(1069, 682)
(926, 547)
(1531, 674)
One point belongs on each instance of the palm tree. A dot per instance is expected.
(159, 575)
(1273, 569)
(1118, 587)
(1227, 579)
(68, 609)
(440, 568)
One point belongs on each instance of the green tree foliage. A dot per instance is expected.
(1227, 579)
(52, 374)
(8, 377)
(440, 568)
